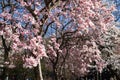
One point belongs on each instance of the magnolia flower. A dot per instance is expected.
(30, 62)
(1, 32)
(11, 66)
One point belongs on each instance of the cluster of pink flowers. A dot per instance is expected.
(30, 62)
(53, 47)
(35, 47)
(85, 57)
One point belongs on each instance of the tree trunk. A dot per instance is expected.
(6, 53)
(40, 70)
(54, 73)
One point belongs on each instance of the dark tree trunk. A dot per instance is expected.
(54, 73)
(6, 53)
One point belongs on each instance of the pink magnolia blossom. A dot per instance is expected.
(11, 66)
(30, 62)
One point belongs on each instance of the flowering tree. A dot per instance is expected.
(64, 31)
(110, 50)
